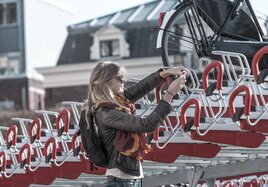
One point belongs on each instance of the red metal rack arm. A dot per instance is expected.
(197, 114)
(256, 60)
(50, 141)
(247, 100)
(158, 89)
(25, 147)
(229, 184)
(3, 159)
(35, 129)
(64, 113)
(209, 67)
(75, 140)
(76, 145)
(255, 182)
(12, 134)
(158, 96)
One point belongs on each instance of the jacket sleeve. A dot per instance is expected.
(111, 118)
(144, 86)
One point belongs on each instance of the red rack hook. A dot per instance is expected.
(29, 153)
(52, 141)
(229, 184)
(35, 128)
(74, 140)
(247, 100)
(76, 146)
(197, 114)
(3, 159)
(255, 182)
(158, 96)
(158, 89)
(64, 113)
(14, 130)
(256, 59)
(209, 67)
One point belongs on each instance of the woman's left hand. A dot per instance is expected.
(179, 70)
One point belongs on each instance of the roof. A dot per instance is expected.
(143, 14)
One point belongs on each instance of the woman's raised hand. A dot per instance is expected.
(179, 71)
(177, 84)
(175, 87)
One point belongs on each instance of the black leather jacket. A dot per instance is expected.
(109, 120)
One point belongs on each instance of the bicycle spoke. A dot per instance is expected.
(176, 49)
(179, 45)
(181, 38)
(174, 34)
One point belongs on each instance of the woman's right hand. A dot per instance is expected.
(179, 71)
(174, 88)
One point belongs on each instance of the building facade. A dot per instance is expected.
(27, 39)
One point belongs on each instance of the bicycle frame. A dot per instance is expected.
(237, 4)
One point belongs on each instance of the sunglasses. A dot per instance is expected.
(120, 79)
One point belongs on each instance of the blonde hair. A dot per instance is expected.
(99, 90)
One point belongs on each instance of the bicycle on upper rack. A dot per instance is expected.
(195, 28)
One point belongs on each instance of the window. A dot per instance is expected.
(49, 93)
(109, 42)
(1, 14)
(8, 13)
(9, 64)
(109, 48)
(73, 45)
(11, 13)
(3, 64)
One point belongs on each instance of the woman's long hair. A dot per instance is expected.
(99, 86)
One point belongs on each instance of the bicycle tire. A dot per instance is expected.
(176, 46)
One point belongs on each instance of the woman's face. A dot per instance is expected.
(117, 84)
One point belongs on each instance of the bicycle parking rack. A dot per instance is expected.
(215, 135)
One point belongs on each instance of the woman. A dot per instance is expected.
(120, 131)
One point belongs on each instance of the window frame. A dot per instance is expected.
(4, 14)
(111, 49)
(109, 33)
(8, 60)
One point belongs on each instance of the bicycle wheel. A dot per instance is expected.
(185, 38)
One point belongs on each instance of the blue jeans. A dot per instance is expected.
(117, 182)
